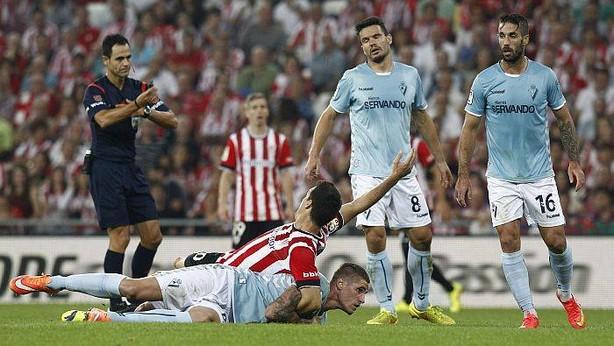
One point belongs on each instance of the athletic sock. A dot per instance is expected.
(156, 315)
(95, 284)
(562, 267)
(420, 265)
(114, 263)
(142, 261)
(380, 272)
(517, 277)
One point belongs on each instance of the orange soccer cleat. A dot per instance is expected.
(575, 316)
(26, 284)
(530, 321)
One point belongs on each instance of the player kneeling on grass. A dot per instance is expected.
(209, 293)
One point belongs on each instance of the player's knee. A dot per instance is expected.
(203, 315)
(509, 243)
(119, 240)
(129, 288)
(556, 243)
(375, 235)
(153, 240)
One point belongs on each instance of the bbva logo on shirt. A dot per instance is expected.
(310, 275)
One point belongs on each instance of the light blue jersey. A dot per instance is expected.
(380, 107)
(253, 292)
(516, 120)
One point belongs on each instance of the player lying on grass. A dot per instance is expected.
(206, 293)
(319, 215)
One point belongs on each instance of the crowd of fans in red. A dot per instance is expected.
(205, 56)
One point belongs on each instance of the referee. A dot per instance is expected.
(115, 104)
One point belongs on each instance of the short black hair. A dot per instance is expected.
(325, 203)
(371, 21)
(347, 270)
(110, 41)
(517, 19)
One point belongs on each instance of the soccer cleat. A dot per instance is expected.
(402, 306)
(455, 294)
(530, 321)
(575, 316)
(433, 314)
(92, 315)
(26, 284)
(384, 317)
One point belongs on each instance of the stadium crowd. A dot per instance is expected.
(206, 56)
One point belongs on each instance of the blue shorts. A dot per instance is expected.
(121, 194)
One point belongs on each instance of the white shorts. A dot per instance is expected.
(538, 201)
(207, 285)
(404, 205)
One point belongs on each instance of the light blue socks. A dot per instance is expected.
(156, 315)
(101, 285)
(562, 267)
(380, 272)
(420, 266)
(517, 277)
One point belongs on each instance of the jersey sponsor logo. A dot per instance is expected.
(375, 104)
(96, 104)
(310, 275)
(259, 163)
(521, 109)
(498, 91)
(403, 87)
(366, 89)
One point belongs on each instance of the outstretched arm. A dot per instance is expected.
(427, 128)
(364, 202)
(569, 139)
(320, 135)
(466, 147)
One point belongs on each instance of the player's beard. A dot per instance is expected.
(378, 59)
(516, 55)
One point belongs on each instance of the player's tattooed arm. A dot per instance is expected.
(569, 139)
(283, 309)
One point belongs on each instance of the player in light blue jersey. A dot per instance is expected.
(513, 96)
(383, 98)
(205, 293)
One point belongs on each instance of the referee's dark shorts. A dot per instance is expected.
(120, 193)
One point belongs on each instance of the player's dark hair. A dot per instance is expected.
(348, 270)
(517, 19)
(110, 41)
(368, 22)
(325, 203)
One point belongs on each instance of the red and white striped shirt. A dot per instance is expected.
(256, 162)
(284, 249)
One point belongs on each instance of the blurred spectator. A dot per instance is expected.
(265, 32)
(259, 75)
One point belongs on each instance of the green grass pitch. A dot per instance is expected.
(39, 324)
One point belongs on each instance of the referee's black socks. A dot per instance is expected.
(142, 261)
(113, 263)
